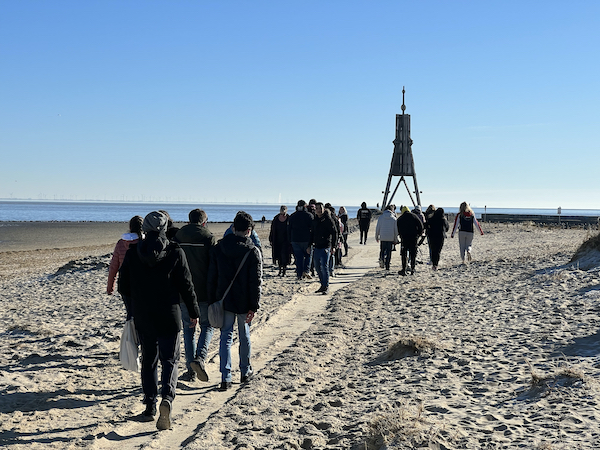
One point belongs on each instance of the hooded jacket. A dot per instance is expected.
(117, 259)
(155, 274)
(225, 258)
(197, 242)
(437, 226)
(386, 229)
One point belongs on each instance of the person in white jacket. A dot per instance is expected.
(386, 234)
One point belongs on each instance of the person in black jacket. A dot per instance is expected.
(155, 274)
(436, 228)
(364, 221)
(299, 232)
(324, 237)
(243, 292)
(196, 240)
(410, 228)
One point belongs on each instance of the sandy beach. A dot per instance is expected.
(500, 353)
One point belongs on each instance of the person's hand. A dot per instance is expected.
(249, 316)
(193, 323)
(308, 250)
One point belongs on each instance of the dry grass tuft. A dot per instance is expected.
(590, 245)
(406, 423)
(412, 346)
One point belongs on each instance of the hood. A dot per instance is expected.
(235, 246)
(153, 248)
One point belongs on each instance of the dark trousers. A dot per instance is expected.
(435, 246)
(165, 349)
(409, 248)
(385, 252)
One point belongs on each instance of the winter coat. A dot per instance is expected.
(386, 229)
(410, 226)
(278, 238)
(324, 232)
(225, 258)
(437, 226)
(196, 241)
(117, 259)
(155, 274)
(300, 226)
(344, 219)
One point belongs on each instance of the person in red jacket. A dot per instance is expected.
(135, 234)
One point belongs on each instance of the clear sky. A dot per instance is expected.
(272, 101)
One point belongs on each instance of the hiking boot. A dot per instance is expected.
(246, 378)
(197, 366)
(188, 376)
(225, 385)
(149, 413)
(164, 419)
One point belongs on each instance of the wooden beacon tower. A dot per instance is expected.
(403, 164)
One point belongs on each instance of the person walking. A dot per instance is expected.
(236, 270)
(279, 240)
(134, 235)
(465, 222)
(155, 274)
(324, 238)
(436, 227)
(386, 233)
(299, 235)
(196, 240)
(343, 215)
(410, 228)
(364, 222)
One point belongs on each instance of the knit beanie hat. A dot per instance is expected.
(155, 221)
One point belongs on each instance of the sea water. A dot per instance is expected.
(49, 211)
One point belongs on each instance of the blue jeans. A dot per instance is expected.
(302, 258)
(226, 341)
(321, 256)
(192, 348)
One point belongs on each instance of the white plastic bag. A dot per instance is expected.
(129, 348)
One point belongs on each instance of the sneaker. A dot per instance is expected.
(360, 242)
(325, 291)
(225, 385)
(402, 272)
(246, 378)
(321, 289)
(164, 419)
(197, 366)
(469, 257)
(189, 375)
(149, 413)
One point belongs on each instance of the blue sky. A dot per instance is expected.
(272, 101)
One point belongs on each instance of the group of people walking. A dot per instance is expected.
(168, 277)
(315, 235)
(411, 228)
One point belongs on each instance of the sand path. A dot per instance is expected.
(193, 407)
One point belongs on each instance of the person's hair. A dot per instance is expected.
(465, 208)
(243, 221)
(430, 209)
(320, 205)
(390, 207)
(301, 203)
(439, 212)
(283, 209)
(169, 221)
(135, 225)
(331, 209)
(312, 201)
(197, 216)
(363, 205)
(343, 210)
